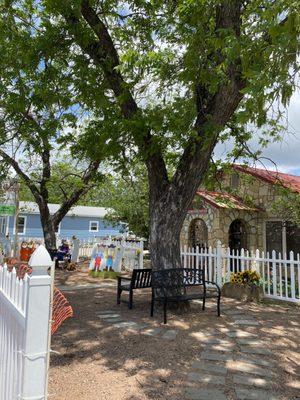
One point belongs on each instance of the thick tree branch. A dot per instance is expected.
(12, 162)
(103, 52)
(77, 193)
(46, 170)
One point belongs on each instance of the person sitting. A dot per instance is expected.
(63, 252)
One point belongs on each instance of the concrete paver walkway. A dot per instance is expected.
(232, 367)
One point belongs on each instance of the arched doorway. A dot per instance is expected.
(198, 234)
(237, 242)
(238, 235)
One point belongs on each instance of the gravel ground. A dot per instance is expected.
(94, 359)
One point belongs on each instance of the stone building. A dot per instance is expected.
(240, 212)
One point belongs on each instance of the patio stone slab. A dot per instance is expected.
(105, 316)
(257, 361)
(113, 320)
(152, 332)
(205, 337)
(239, 334)
(222, 347)
(138, 327)
(204, 394)
(206, 366)
(170, 334)
(234, 312)
(215, 340)
(256, 350)
(216, 356)
(247, 322)
(125, 325)
(206, 378)
(250, 342)
(242, 366)
(248, 380)
(254, 394)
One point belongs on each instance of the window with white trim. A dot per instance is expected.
(21, 225)
(94, 226)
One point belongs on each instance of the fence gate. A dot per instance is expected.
(24, 330)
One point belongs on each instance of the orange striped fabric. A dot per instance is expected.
(61, 309)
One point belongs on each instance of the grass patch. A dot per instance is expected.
(104, 274)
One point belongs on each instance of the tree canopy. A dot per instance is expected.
(162, 82)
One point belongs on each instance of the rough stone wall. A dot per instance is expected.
(209, 215)
(218, 220)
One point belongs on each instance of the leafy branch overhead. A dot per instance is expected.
(160, 82)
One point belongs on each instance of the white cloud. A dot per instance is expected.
(285, 154)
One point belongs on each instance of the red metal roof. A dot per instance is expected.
(291, 182)
(226, 200)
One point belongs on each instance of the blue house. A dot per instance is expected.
(82, 221)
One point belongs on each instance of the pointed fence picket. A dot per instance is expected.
(280, 273)
(24, 330)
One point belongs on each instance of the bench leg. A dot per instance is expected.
(218, 305)
(130, 299)
(203, 303)
(119, 292)
(152, 306)
(165, 311)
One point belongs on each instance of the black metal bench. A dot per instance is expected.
(175, 285)
(140, 279)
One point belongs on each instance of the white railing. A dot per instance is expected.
(25, 330)
(280, 274)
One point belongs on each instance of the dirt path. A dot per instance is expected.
(109, 352)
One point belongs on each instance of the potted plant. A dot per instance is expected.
(244, 285)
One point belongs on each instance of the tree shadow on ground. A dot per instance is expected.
(130, 365)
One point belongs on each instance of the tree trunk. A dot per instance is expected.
(165, 246)
(165, 227)
(48, 230)
(164, 241)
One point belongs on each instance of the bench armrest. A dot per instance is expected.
(126, 278)
(215, 284)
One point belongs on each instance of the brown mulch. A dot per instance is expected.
(95, 361)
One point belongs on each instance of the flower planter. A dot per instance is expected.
(244, 292)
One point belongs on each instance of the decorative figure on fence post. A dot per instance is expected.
(24, 252)
(75, 249)
(7, 246)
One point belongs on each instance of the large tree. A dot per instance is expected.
(177, 76)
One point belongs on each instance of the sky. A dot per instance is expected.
(286, 154)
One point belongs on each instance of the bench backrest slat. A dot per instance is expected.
(177, 280)
(141, 278)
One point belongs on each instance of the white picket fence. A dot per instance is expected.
(25, 330)
(280, 274)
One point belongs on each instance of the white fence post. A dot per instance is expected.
(37, 327)
(141, 255)
(292, 277)
(219, 263)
